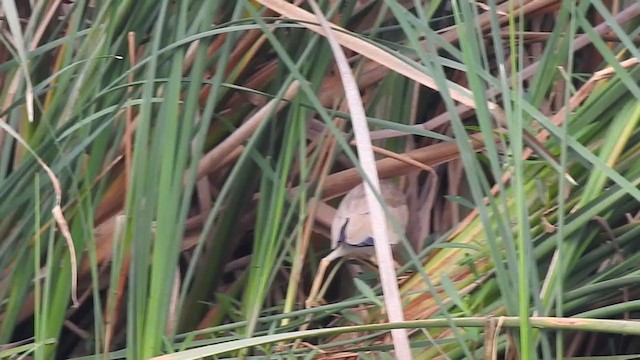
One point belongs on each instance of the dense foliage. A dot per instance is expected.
(193, 153)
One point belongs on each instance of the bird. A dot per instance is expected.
(352, 233)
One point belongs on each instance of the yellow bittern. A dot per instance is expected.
(351, 230)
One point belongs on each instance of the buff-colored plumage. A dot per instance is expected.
(351, 230)
(352, 225)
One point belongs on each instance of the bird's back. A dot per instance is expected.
(351, 225)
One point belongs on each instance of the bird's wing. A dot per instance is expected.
(352, 222)
(398, 219)
(358, 231)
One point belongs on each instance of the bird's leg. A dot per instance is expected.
(312, 300)
(316, 295)
(330, 277)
